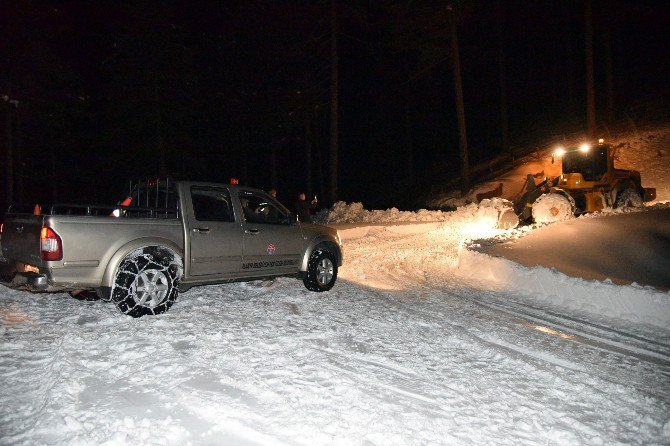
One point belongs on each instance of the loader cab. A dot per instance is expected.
(591, 162)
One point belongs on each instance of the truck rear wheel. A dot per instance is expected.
(321, 271)
(146, 282)
(553, 207)
(628, 199)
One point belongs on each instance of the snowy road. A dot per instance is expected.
(632, 247)
(404, 350)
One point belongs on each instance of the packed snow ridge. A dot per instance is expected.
(484, 214)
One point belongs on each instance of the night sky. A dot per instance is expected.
(229, 89)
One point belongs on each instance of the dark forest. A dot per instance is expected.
(96, 93)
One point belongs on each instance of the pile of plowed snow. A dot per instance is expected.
(476, 220)
(649, 153)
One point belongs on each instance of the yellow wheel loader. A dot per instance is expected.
(589, 182)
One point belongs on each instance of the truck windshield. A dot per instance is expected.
(592, 164)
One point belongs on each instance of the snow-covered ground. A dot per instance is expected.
(421, 341)
(406, 349)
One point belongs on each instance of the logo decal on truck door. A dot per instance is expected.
(271, 249)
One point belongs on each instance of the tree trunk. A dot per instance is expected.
(590, 91)
(409, 143)
(502, 77)
(319, 156)
(245, 170)
(308, 151)
(273, 167)
(609, 73)
(460, 109)
(160, 138)
(20, 190)
(9, 169)
(569, 66)
(53, 155)
(334, 94)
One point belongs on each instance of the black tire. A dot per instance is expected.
(628, 199)
(553, 207)
(321, 271)
(146, 282)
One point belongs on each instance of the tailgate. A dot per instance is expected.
(21, 238)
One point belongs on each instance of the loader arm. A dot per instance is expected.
(529, 193)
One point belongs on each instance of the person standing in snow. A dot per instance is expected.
(302, 208)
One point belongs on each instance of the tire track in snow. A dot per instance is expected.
(585, 332)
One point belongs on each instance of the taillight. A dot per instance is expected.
(51, 246)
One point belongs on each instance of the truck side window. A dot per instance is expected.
(212, 204)
(260, 209)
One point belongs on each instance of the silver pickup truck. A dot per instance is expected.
(165, 237)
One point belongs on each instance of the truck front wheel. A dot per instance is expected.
(321, 271)
(146, 283)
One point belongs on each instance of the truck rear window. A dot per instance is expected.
(212, 204)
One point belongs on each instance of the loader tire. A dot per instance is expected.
(553, 207)
(146, 282)
(628, 199)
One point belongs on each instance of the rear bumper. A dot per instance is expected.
(13, 276)
(27, 281)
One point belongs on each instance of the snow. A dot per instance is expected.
(404, 350)
(422, 341)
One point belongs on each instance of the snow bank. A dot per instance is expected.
(548, 287)
(485, 213)
(537, 285)
(467, 222)
(342, 212)
(649, 153)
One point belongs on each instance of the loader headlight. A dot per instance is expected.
(560, 151)
(584, 148)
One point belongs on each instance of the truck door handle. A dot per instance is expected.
(201, 230)
(251, 231)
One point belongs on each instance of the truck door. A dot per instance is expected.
(272, 242)
(215, 237)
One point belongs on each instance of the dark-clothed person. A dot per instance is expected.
(302, 208)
